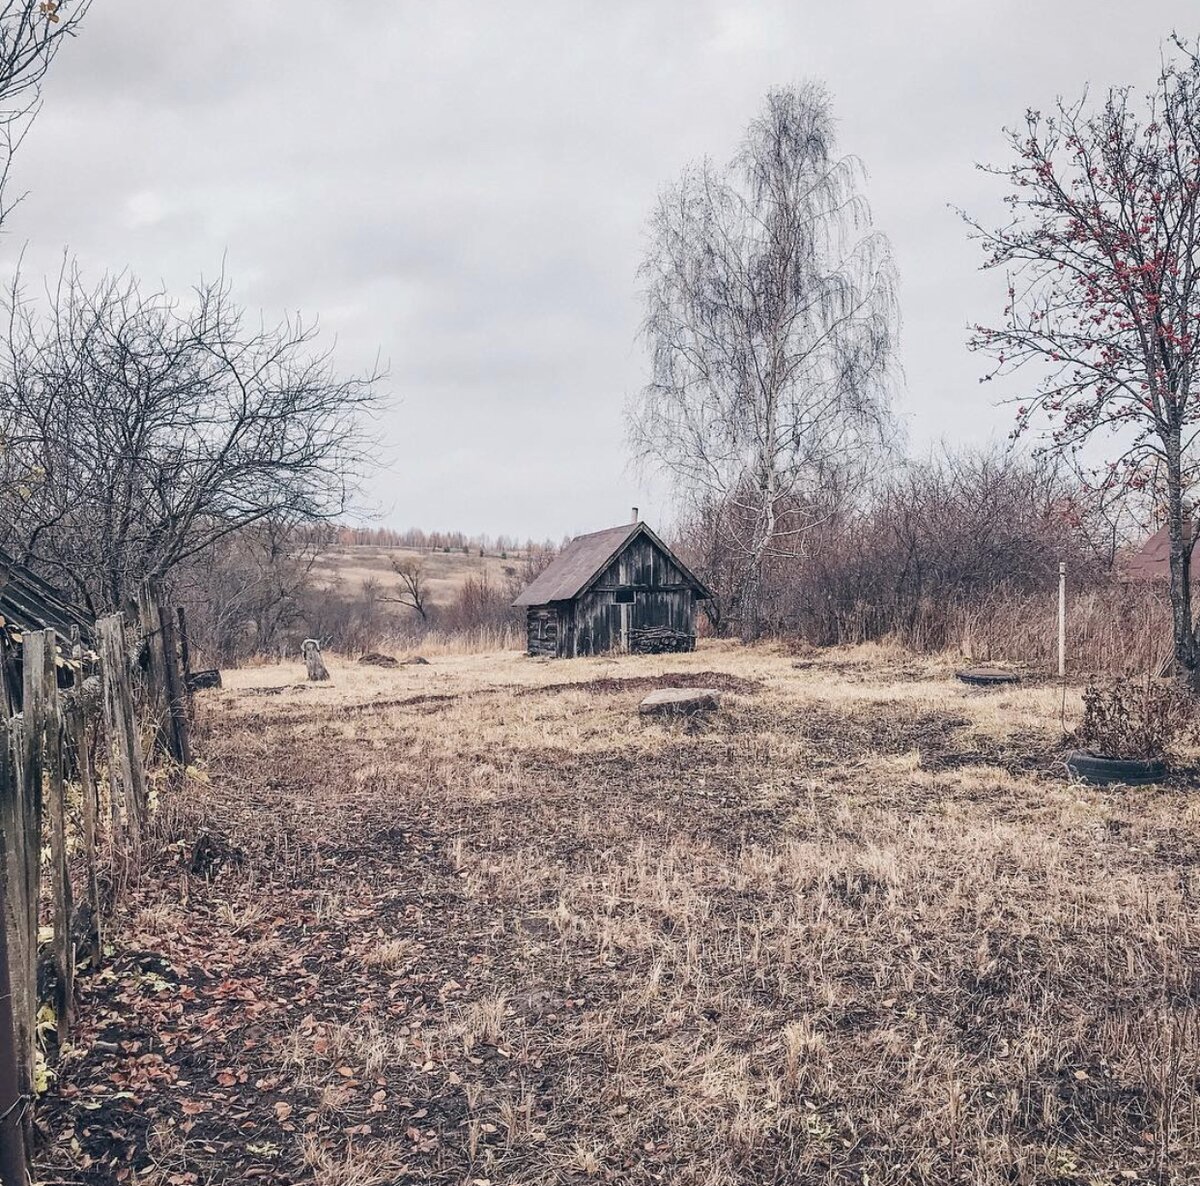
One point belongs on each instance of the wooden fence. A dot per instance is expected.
(72, 772)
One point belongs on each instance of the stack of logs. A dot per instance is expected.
(655, 640)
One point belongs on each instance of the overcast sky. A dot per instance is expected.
(464, 188)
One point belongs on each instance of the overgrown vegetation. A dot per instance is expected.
(142, 433)
(1098, 246)
(1137, 719)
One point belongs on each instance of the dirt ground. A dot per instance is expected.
(478, 922)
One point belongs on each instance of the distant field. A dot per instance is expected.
(445, 573)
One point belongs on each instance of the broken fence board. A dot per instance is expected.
(60, 871)
(121, 722)
(17, 1007)
(78, 727)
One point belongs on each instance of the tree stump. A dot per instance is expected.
(311, 650)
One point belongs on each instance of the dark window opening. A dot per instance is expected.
(624, 596)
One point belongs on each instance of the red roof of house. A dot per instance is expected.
(1152, 561)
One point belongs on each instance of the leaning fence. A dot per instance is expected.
(73, 800)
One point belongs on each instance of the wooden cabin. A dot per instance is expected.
(621, 589)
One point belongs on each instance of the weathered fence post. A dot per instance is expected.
(120, 721)
(1062, 618)
(60, 870)
(185, 662)
(16, 1046)
(77, 725)
(167, 685)
(14, 1162)
(35, 655)
(77, 729)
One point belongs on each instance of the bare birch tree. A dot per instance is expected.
(771, 320)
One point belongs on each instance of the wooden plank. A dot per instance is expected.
(16, 1010)
(121, 722)
(60, 870)
(157, 700)
(15, 1078)
(77, 722)
(78, 726)
(34, 657)
(185, 661)
(176, 687)
(130, 730)
(115, 755)
(185, 645)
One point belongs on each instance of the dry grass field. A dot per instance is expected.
(477, 922)
(444, 572)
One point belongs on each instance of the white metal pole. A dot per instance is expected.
(1062, 618)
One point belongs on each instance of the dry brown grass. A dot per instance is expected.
(445, 573)
(857, 927)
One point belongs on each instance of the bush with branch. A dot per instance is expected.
(140, 431)
(1134, 720)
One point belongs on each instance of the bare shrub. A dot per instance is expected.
(1136, 719)
(962, 551)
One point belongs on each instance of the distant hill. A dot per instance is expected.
(444, 572)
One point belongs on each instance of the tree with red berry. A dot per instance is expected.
(1102, 252)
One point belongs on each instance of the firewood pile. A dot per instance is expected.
(656, 640)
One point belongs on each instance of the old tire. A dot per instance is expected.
(1100, 771)
(987, 677)
(196, 680)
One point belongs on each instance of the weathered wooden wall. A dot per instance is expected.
(542, 631)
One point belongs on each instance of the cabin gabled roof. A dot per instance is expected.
(582, 562)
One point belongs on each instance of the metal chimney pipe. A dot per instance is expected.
(635, 518)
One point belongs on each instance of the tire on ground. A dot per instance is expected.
(1130, 771)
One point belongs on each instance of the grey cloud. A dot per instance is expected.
(463, 188)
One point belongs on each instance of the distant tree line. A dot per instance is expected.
(418, 540)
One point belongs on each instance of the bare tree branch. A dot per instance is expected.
(140, 431)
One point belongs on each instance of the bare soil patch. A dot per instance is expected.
(722, 681)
